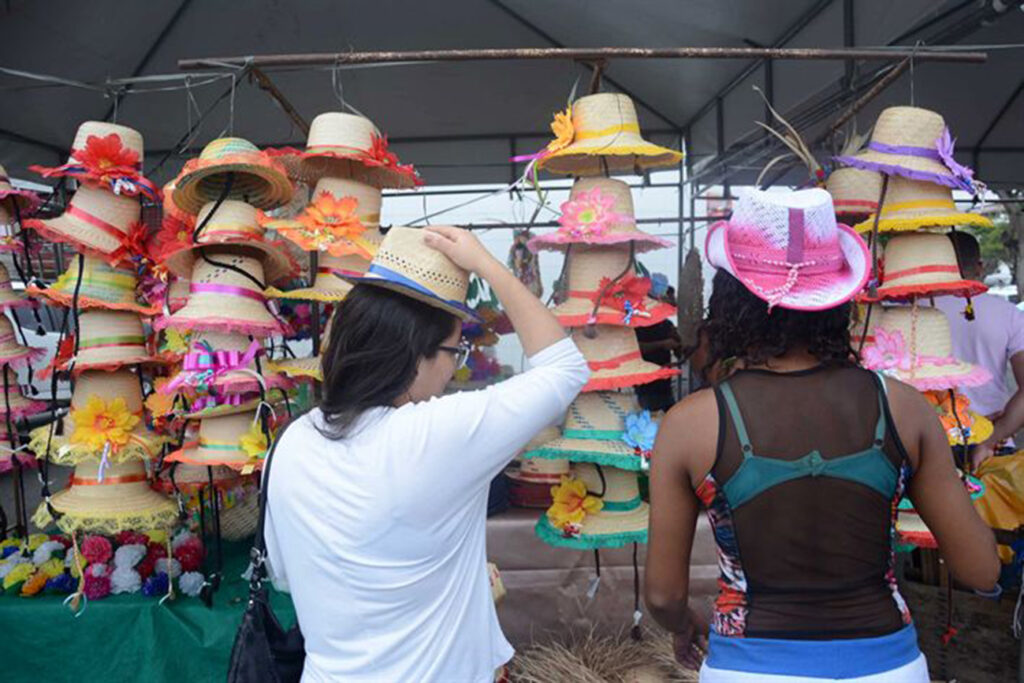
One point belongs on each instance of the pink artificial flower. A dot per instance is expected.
(96, 587)
(889, 352)
(590, 214)
(96, 549)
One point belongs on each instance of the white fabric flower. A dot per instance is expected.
(10, 563)
(127, 556)
(191, 583)
(45, 551)
(181, 537)
(171, 567)
(97, 569)
(125, 580)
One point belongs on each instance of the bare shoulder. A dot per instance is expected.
(689, 433)
(910, 413)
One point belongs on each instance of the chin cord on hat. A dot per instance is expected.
(636, 632)
(591, 329)
(12, 437)
(874, 282)
(969, 309)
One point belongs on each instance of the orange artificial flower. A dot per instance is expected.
(563, 129)
(327, 224)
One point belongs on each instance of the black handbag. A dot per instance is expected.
(263, 651)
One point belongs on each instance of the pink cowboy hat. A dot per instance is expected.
(788, 250)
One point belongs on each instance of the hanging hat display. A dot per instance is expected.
(597, 294)
(595, 507)
(304, 368)
(916, 204)
(916, 144)
(405, 264)
(605, 428)
(9, 298)
(614, 359)
(599, 211)
(234, 223)
(236, 441)
(101, 286)
(342, 218)
(11, 351)
(600, 135)
(255, 178)
(187, 478)
(341, 145)
(921, 264)
(98, 223)
(914, 345)
(222, 299)
(862, 326)
(854, 191)
(26, 200)
(107, 340)
(331, 281)
(107, 156)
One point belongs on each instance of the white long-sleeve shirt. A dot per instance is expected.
(380, 536)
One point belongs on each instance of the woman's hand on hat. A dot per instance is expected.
(461, 246)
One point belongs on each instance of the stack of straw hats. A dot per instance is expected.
(15, 205)
(347, 163)
(605, 295)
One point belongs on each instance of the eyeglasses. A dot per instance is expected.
(460, 352)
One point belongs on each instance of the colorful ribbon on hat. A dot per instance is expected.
(614, 362)
(201, 368)
(208, 402)
(105, 160)
(943, 152)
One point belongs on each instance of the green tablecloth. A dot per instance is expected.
(128, 637)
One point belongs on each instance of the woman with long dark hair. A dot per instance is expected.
(799, 458)
(377, 497)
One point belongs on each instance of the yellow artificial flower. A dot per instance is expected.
(9, 542)
(563, 129)
(36, 540)
(176, 341)
(571, 503)
(20, 573)
(254, 442)
(157, 536)
(159, 403)
(52, 567)
(100, 423)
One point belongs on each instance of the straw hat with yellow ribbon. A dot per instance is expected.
(341, 145)
(107, 340)
(9, 298)
(915, 204)
(105, 424)
(101, 285)
(236, 441)
(614, 359)
(342, 218)
(921, 264)
(331, 281)
(599, 135)
(237, 166)
(11, 351)
(595, 507)
(962, 425)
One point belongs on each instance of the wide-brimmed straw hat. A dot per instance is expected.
(600, 135)
(97, 222)
(854, 191)
(530, 479)
(255, 177)
(9, 298)
(615, 360)
(599, 211)
(26, 200)
(606, 428)
(306, 368)
(961, 424)
(916, 204)
(15, 403)
(12, 352)
(921, 264)
(101, 286)
(862, 326)
(341, 145)
(107, 340)
(405, 264)
(106, 422)
(913, 143)
(119, 500)
(222, 299)
(913, 344)
(343, 217)
(621, 517)
(330, 283)
(189, 478)
(228, 440)
(106, 156)
(787, 249)
(11, 238)
(234, 223)
(596, 293)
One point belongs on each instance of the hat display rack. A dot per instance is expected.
(601, 295)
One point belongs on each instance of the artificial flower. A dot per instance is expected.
(589, 214)
(155, 586)
(563, 130)
(134, 241)
(131, 538)
(640, 432)
(97, 585)
(52, 567)
(191, 583)
(160, 403)
(10, 543)
(34, 584)
(189, 553)
(19, 573)
(8, 550)
(184, 537)
(889, 352)
(61, 583)
(379, 154)
(168, 566)
(62, 539)
(45, 551)
(159, 537)
(125, 580)
(96, 549)
(571, 503)
(100, 423)
(36, 540)
(106, 157)
(627, 294)
(146, 566)
(327, 222)
(254, 441)
(8, 565)
(127, 556)
(955, 417)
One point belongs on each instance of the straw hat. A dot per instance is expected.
(914, 345)
(342, 218)
(188, 478)
(915, 204)
(912, 529)
(615, 360)
(108, 340)
(258, 179)
(120, 500)
(591, 273)
(859, 316)
(596, 431)
(26, 200)
(330, 284)
(960, 422)
(343, 145)
(119, 395)
(15, 402)
(787, 249)
(602, 137)
(101, 286)
(222, 299)
(11, 351)
(621, 520)
(26, 460)
(405, 264)
(922, 264)
(914, 143)
(108, 157)
(855, 192)
(532, 469)
(598, 211)
(234, 223)
(9, 298)
(98, 223)
(308, 368)
(222, 441)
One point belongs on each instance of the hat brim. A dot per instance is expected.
(920, 220)
(641, 241)
(7, 462)
(401, 285)
(576, 312)
(905, 166)
(955, 374)
(246, 319)
(246, 406)
(960, 288)
(912, 529)
(86, 302)
(299, 368)
(136, 508)
(144, 445)
(597, 451)
(277, 262)
(26, 199)
(190, 455)
(321, 294)
(224, 478)
(608, 155)
(599, 530)
(265, 186)
(810, 293)
(981, 428)
(629, 374)
(86, 239)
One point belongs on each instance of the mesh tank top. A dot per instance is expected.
(802, 500)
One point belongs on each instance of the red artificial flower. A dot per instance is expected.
(190, 556)
(131, 538)
(96, 549)
(379, 154)
(630, 288)
(146, 566)
(134, 242)
(63, 540)
(156, 550)
(107, 158)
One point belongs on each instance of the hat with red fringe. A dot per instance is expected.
(614, 359)
(26, 200)
(101, 285)
(921, 264)
(13, 353)
(107, 340)
(236, 441)
(254, 177)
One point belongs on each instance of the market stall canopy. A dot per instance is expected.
(460, 122)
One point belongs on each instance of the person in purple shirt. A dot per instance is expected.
(995, 340)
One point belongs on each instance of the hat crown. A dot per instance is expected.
(854, 190)
(130, 138)
(232, 216)
(338, 129)
(601, 411)
(596, 113)
(204, 272)
(120, 211)
(100, 323)
(908, 127)
(543, 436)
(780, 221)
(117, 476)
(903, 190)
(925, 331)
(122, 384)
(611, 341)
(223, 147)
(6, 328)
(916, 250)
(368, 198)
(617, 486)
(225, 428)
(588, 265)
(353, 263)
(609, 187)
(404, 252)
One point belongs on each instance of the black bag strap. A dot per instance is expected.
(258, 554)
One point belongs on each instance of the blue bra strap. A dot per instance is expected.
(737, 419)
(882, 396)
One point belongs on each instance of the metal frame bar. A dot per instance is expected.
(976, 150)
